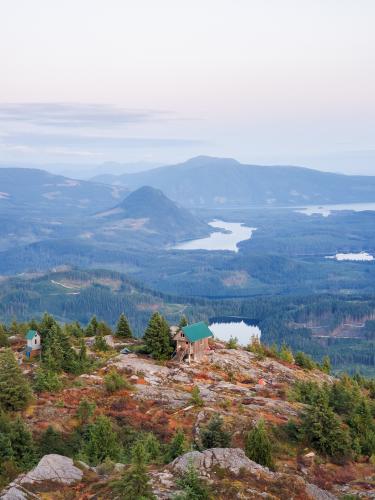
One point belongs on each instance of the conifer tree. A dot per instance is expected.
(4, 341)
(232, 343)
(135, 484)
(152, 447)
(183, 322)
(286, 354)
(52, 354)
(103, 329)
(196, 398)
(304, 361)
(177, 446)
(345, 395)
(123, 329)
(157, 337)
(92, 327)
(114, 381)
(74, 329)
(45, 325)
(85, 411)
(51, 441)
(82, 355)
(326, 365)
(57, 353)
(362, 428)
(22, 444)
(15, 392)
(6, 450)
(14, 328)
(192, 486)
(322, 430)
(214, 435)
(100, 344)
(258, 445)
(46, 380)
(33, 325)
(102, 442)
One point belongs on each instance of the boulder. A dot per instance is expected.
(53, 468)
(232, 459)
(16, 493)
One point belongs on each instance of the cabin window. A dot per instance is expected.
(36, 341)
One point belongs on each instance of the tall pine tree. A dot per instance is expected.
(157, 337)
(214, 435)
(123, 329)
(102, 442)
(134, 484)
(15, 392)
(258, 445)
(323, 431)
(92, 327)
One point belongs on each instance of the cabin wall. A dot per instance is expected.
(196, 351)
(199, 349)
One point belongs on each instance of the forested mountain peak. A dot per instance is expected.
(157, 212)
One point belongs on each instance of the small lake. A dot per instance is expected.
(228, 240)
(354, 257)
(242, 329)
(326, 210)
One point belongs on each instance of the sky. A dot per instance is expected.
(263, 81)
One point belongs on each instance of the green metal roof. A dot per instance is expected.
(31, 334)
(197, 331)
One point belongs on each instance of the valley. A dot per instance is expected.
(195, 257)
(187, 250)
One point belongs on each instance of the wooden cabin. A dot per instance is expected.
(192, 342)
(33, 346)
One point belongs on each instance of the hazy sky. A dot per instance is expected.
(267, 81)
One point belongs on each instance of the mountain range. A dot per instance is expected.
(208, 182)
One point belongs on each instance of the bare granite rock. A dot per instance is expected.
(55, 468)
(52, 469)
(17, 493)
(154, 374)
(232, 459)
(235, 461)
(167, 396)
(318, 494)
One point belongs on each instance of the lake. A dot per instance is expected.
(242, 329)
(326, 210)
(228, 240)
(354, 257)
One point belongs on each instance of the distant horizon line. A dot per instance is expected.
(152, 165)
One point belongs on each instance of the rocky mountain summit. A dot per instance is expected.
(161, 397)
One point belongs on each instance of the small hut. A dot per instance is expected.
(33, 346)
(192, 342)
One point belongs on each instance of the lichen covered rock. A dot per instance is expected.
(52, 469)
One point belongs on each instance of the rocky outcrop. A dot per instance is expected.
(234, 461)
(153, 373)
(55, 469)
